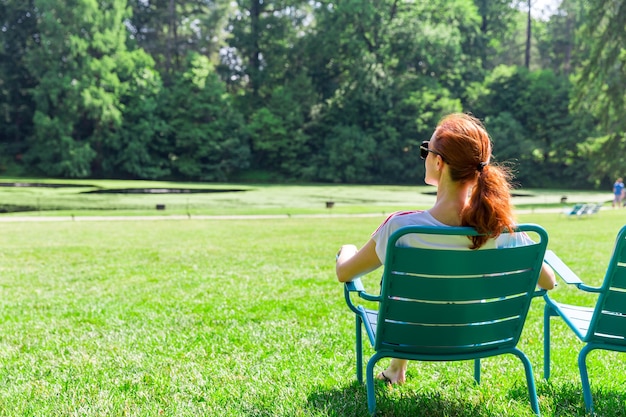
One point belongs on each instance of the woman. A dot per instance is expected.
(470, 192)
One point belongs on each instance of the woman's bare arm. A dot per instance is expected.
(352, 262)
(547, 279)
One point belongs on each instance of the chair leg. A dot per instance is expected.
(359, 350)
(584, 377)
(530, 380)
(477, 370)
(547, 313)
(371, 395)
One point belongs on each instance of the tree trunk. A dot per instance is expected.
(255, 55)
(170, 50)
(568, 46)
(528, 32)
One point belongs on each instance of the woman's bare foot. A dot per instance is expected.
(395, 373)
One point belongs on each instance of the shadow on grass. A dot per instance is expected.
(557, 400)
(566, 400)
(397, 402)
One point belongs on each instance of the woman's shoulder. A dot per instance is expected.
(402, 218)
(510, 240)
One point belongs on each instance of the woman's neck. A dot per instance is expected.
(451, 200)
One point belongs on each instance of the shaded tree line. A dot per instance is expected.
(304, 90)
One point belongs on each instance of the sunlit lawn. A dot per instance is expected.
(245, 318)
(82, 198)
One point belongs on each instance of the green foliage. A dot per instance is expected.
(600, 85)
(390, 88)
(300, 90)
(557, 45)
(205, 134)
(56, 152)
(532, 126)
(602, 76)
(138, 149)
(278, 142)
(497, 17)
(350, 155)
(16, 108)
(169, 30)
(509, 137)
(77, 98)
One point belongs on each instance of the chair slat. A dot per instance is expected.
(372, 319)
(578, 317)
(440, 313)
(435, 339)
(620, 249)
(611, 326)
(619, 278)
(577, 312)
(466, 262)
(459, 289)
(615, 301)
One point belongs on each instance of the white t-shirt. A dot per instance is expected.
(424, 218)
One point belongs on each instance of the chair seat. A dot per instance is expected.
(370, 319)
(576, 317)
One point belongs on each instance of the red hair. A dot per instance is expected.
(465, 146)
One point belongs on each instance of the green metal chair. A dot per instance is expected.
(449, 305)
(599, 327)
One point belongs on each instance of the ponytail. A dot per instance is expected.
(489, 209)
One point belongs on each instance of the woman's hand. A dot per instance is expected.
(346, 252)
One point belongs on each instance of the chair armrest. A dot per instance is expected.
(589, 288)
(567, 275)
(357, 286)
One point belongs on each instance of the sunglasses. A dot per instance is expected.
(424, 151)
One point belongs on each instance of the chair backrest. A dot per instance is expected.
(608, 323)
(445, 302)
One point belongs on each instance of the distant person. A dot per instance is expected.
(471, 191)
(618, 193)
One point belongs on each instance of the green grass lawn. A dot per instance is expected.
(85, 198)
(244, 317)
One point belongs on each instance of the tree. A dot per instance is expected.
(396, 73)
(170, 29)
(497, 21)
(601, 86)
(267, 68)
(557, 44)
(138, 149)
(528, 116)
(18, 25)
(206, 135)
(278, 141)
(261, 53)
(81, 66)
